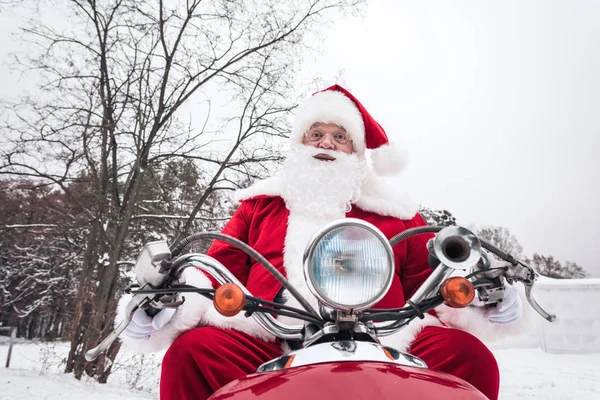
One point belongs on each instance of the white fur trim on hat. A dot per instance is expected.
(389, 159)
(330, 107)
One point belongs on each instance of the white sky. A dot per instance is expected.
(497, 102)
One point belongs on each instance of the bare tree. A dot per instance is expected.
(113, 85)
(501, 238)
(548, 266)
(437, 217)
(38, 257)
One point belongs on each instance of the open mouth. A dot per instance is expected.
(324, 157)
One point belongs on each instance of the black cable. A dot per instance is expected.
(423, 303)
(417, 309)
(483, 271)
(253, 307)
(403, 313)
(175, 289)
(209, 294)
(414, 231)
(176, 249)
(279, 306)
(388, 316)
(253, 304)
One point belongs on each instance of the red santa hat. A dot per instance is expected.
(338, 106)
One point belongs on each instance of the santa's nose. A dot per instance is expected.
(327, 143)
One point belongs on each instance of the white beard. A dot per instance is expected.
(316, 192)
(320, 188)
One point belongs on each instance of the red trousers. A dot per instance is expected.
(202, 360)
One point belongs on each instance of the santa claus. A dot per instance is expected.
(325, 177)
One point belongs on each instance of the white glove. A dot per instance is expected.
(509, 311)
(142, 325)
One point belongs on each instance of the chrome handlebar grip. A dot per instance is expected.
(223, 275)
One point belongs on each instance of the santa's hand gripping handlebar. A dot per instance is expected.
(510, 269)
(159, 272)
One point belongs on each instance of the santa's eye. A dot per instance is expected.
(316, 135)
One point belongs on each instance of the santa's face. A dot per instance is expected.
(328, 137)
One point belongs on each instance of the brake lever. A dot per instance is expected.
(136, 302)
(534, 304)
(527, 275)
(513, 271)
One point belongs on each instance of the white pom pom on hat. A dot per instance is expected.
(338, 106)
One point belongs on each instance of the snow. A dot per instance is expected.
(534, 374)
(36, 372)
(20, 384)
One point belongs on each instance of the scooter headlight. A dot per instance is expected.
(349, 265)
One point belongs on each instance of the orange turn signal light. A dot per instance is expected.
(458, 292)
(229, 299)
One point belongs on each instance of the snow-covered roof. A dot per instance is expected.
(545, 282)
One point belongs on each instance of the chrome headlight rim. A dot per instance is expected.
(316, 239)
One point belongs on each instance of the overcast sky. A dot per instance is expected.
(498, 103)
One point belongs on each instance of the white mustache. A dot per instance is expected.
(313, 151)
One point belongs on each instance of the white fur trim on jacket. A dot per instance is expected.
(402, 339)
(196, 310)
(330, 107)
(300, 229)
(383, 196)
(378, 195)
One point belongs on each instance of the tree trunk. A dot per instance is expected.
(82, 311)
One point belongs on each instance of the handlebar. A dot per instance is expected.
(223, 275)
(460, 242)
(515, 271)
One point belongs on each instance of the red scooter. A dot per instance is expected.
(348, 266)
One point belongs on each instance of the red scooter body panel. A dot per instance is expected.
(349, 380)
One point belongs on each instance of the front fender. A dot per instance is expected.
(349, 380)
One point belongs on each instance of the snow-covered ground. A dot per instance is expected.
(20, 384)
(533, 374)
(36, 373)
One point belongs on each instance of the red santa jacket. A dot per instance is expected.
(262, 223)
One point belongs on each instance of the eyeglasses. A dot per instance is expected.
(339, 137)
